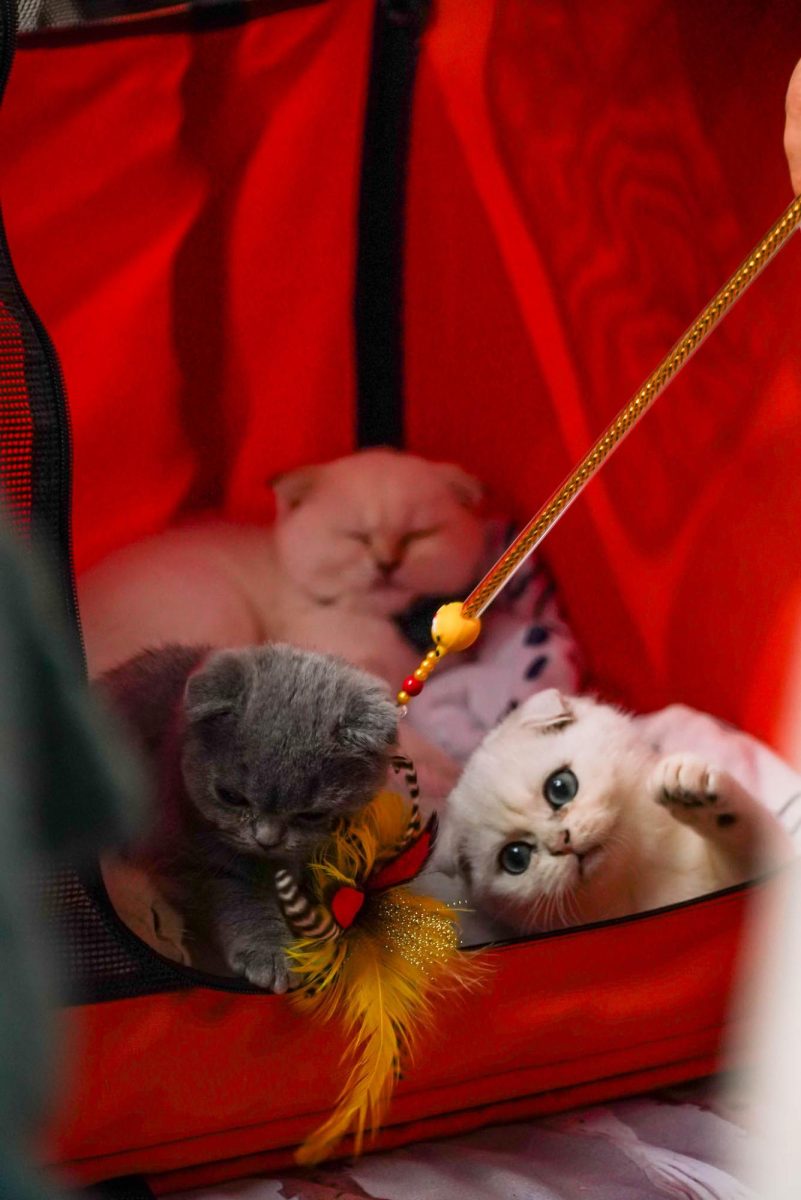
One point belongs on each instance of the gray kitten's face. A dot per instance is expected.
(279, 742)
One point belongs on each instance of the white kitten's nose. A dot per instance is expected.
(559, 843)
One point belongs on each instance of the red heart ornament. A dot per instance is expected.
(409, 863)
(346, 904)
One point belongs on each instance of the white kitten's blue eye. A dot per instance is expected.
(560, 788)
(515, 858)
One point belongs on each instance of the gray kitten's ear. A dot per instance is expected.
(468, 490)
(292, 488)
(548, 710)
(215, 689)
(367, 723)
(370, 728)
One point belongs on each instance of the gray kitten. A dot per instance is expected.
(255, 753)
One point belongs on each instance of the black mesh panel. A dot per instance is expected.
(16, 423)
(98, 962)
(41, 16)
(62, 14)
(100, 958)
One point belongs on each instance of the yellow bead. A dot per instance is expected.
(430, 659)
(452, 630)
(403, 697)
(421, 674)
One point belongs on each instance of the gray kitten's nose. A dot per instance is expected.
(269, 833)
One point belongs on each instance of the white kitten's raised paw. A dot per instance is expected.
(693, 791)
(268, 969)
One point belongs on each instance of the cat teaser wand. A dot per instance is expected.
(456, 626)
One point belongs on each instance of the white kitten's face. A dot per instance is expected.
(539, 825)
(376, 530)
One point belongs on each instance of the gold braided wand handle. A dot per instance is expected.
(457, 626)
(531, 536)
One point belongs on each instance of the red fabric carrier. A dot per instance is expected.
(182, 209)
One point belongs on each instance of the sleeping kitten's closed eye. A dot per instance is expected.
(231, 797)
(312, 820)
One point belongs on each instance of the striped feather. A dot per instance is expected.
(305, 919)
(402, 764)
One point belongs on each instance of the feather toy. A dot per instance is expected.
(371, 955)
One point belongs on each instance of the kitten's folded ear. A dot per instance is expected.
(548, 710)
(216, 687)
(468, 490)
(292, 488)
(370, 725)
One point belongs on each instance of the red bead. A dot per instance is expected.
(413, 686)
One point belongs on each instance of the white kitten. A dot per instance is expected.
(566, 815)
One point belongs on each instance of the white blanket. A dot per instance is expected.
(686, 1144)
(525, 646)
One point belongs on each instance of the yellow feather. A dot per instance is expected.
(379, 977)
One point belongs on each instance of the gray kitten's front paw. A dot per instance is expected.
(265, 967)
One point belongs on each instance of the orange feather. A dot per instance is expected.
(380, 976)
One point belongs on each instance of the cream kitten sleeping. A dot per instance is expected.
(353, 543)
(567, 815)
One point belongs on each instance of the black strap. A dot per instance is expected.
(378, 300)
(131, 1187)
